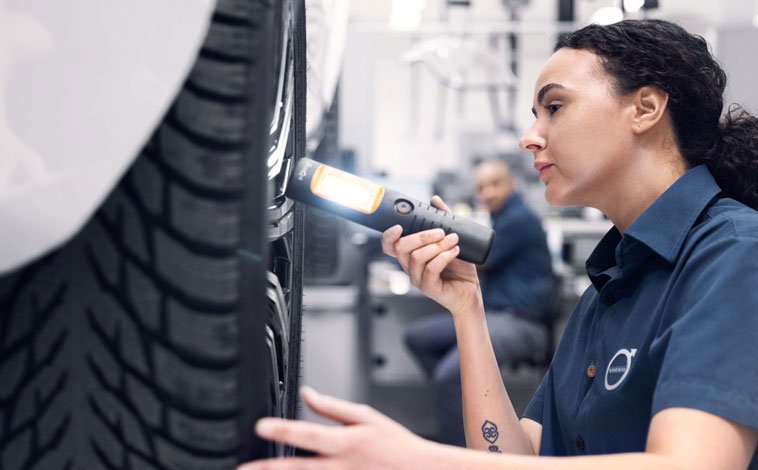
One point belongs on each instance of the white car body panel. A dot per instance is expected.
(83, 84)
(326, 31)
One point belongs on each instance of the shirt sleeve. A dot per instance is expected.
(536, 405)
(707, 346)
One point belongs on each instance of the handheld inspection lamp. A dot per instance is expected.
(379, 208)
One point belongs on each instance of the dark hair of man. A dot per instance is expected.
(664, 55)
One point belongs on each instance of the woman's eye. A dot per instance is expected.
(553, 108)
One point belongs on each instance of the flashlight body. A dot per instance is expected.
(390, 208)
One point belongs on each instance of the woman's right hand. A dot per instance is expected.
(429, 258)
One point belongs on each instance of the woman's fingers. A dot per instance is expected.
(415, 250)
(342, 411)
(394, 233)
(389, 237)
(290, 463)
(434, 268)
(440, 204)
(421, 256)
(409, 243)
(324, 440)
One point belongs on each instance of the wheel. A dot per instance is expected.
(159, 334)
(325, 230)
(286, 223)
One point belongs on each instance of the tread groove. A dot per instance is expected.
(163, 395)
(40, 451)
(36, 367)
(146, 428)
(225, 58)
(41, 318)
(173, 121)
(206, 249)
(146, 331)
(163, 284)
(40, 410)
(227, 19)
(116, 430)
(103, 456)
(174, 176)
(210, 95)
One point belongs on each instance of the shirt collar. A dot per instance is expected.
(666, 223)
(662, 227)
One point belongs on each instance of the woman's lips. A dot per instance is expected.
(542, 166)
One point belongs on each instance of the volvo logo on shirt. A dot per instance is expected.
(618, 368)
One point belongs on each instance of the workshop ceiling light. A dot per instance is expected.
(607, 15)
(633, 6)
(406, 14)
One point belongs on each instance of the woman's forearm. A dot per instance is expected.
(457, 458)
(490, 421)
(678, 438)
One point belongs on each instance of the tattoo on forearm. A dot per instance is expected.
(489, 431)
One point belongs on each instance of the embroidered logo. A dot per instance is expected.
(618, 368)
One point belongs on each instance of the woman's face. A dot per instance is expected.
(582, 137)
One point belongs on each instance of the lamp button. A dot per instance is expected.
(403, 207)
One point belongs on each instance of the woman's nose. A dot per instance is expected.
(532, 141)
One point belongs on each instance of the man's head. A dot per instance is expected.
(494, 184)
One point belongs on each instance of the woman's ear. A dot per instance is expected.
(650, 106)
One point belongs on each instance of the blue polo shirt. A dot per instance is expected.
(519, 277)
(670, 320)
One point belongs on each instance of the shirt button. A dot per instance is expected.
(579, 443)
(609, 299)
(591, 372)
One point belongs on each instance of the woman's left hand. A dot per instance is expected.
(430, 260)
(367, 440)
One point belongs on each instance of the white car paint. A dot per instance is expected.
(83, 84)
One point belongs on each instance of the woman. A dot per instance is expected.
(657, 366)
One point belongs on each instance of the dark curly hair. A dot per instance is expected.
(658, 53)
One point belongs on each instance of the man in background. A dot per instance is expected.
(516, 283)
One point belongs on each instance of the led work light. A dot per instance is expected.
(379, 208)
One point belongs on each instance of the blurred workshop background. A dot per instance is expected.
(428, 88)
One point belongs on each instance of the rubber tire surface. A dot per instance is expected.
(139, 344)
(325, 230)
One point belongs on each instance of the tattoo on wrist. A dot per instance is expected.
(489, 431)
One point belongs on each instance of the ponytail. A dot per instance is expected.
(733, 160)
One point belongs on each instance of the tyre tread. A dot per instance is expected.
(124, 349)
